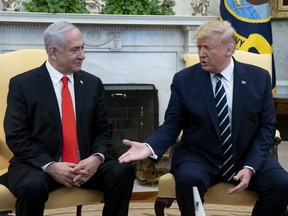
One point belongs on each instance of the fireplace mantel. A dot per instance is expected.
(119, 48)
(96, 19)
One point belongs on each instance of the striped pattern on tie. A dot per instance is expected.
(228, 170)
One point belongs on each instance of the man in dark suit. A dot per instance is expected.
(33, 130)
(198, 158)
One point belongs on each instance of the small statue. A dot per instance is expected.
(11, 5)
(95, 6)
(200, 7)
(169, 3)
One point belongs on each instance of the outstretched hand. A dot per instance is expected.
(137, 151)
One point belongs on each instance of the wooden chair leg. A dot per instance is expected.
(162, 203)
(79, 210)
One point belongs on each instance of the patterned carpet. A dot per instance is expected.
(146, 208)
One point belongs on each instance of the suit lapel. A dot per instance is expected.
(206, 90)
(240, 87)
(47, 89)
(79, 88)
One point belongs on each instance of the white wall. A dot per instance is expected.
(280, 32)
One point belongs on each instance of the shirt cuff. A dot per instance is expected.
(153, 156)
(251, 168)
(45, 166)
(101, 156)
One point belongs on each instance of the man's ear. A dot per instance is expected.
(52, 52)
(230, 50)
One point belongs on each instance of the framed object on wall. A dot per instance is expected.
(279, 9)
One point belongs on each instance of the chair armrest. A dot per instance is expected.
(277, 139)
(3, 171)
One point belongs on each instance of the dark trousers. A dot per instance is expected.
(114, 179)
(271, 186)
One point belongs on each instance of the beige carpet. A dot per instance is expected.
(146, 208)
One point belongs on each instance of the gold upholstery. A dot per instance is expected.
(11, 64)
(217, 193)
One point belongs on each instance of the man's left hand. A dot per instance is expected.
(85, 169)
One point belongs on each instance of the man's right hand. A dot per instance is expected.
(137, 151)
(62, 172)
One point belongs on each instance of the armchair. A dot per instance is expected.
(13, 63)
(217, 193)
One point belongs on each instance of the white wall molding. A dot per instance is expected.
(119, 48)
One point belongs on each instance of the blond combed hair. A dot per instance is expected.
(223, 28)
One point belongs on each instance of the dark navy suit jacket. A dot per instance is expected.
(192, 109)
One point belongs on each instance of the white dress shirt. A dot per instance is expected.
(56, 78)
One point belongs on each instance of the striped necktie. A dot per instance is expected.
(228, 169)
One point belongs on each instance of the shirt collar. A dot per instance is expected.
(55, 75)
(228, 72)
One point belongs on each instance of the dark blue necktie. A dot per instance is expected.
(225, 129)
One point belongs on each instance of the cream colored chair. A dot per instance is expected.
(217, 193)
(11, 64)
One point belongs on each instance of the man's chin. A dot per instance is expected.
(205, 68)
(77, 68)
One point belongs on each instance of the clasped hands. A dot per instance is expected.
(71, 174)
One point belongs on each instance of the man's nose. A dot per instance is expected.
(201, 52)
(82, 54)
